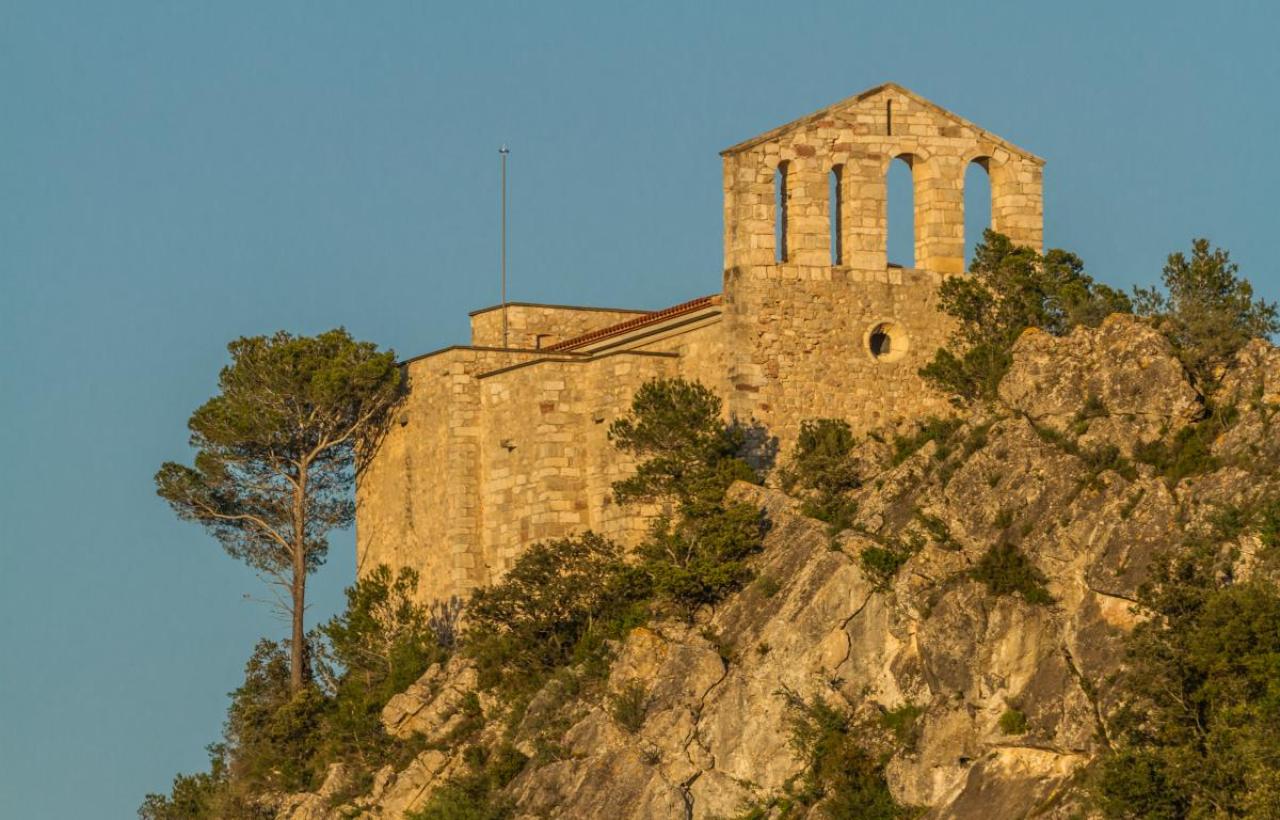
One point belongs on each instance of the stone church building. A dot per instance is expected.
(498, 446)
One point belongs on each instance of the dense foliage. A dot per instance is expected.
(1207, 310)
(1009, 289)
(1200, 735)
(277, 740)
(842, 776)
(1006, 570)
(374, 650)
(823, 470)
(687, 457)
(557, 604)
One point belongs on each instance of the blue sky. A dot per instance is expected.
(175, 175)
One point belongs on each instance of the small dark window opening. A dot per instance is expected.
(836, 209)
(780, 213)
(888, 117)
(881, 344)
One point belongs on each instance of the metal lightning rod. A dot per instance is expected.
(504, 151)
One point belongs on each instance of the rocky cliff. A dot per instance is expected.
(1050, 472)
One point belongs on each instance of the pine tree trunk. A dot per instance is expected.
(298, 587)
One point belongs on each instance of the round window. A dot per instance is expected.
(886, 342)
(881, 343)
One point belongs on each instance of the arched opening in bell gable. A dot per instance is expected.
(977, 205)
(900, 211)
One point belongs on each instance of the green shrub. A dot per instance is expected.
(1190, 453)
(205, 796)
(822, 467)
(1013, 722)
(931, 429)
(1006, 570)
(192, 797)
(1229, 522)
(629, 706)
(686, 453)
(977, 438)
(881, 564)
(1135, 783)
(837, 512)
(938, 530)
(768, 586)
(558, 598)
(1200, 736)
(375, 649)
(1108, 457)
(821, 458)
(687, 458)
(271, 732)
(1058, 439)
(1269, 524)
(1093, 408)
(904, 723)
(702, 558)
(841, 778)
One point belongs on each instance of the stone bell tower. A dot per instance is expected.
(777, 203)
(823, 331)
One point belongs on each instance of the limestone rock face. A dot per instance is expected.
(1127, 368)
(1251, 390)
(715, 738)
(433, 705)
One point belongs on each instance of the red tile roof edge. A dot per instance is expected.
(638, 322)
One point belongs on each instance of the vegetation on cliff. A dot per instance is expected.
(1199, 733)
(1206, 310)
(1009, 289)
(276, 740)
(687, 456)
(944, 620)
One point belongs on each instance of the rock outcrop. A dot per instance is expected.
(1121, 375)
(714, 738)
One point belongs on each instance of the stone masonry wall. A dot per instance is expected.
(546, 463)
(801, 346)
(533, 327)
(416, 502)
(494, 450)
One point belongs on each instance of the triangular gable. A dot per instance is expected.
(850, 102)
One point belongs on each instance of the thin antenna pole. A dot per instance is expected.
(504, 151)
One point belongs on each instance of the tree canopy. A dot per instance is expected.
(1206, 309)
(688, 456)
(277, 451)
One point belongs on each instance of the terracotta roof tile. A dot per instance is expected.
(638, 322)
